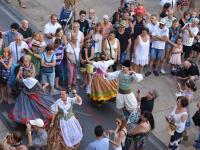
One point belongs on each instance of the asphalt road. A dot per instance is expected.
(88, 115)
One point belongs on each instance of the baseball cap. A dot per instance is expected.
(162, 22)
(37, 122)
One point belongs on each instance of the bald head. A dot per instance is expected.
(24, 24)
(186, 64)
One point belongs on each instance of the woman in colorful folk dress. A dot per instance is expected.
(32, 102)
(65, 131)
(101, 88)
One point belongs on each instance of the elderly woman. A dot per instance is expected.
(48, 67)
(106, 26)
(65, 130)
(26, 66)
(5, 76)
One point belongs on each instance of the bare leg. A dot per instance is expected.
(20, 4)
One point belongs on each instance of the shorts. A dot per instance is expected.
(88, 68)
(58, 70)
(157, 54)
(48, 78)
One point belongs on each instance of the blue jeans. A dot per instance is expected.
(123, 57)
(13, 75)
(48, 78)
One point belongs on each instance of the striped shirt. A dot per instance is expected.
(59, 52)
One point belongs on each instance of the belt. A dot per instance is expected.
(125, 91)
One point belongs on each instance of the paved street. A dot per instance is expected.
(88, 115)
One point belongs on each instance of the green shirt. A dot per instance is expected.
(36, 62)
(125, 81)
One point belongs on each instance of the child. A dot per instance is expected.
(175, 58)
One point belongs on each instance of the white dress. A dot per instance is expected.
(70, 128)
(142, 52)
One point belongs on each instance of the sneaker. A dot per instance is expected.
(147, 74)
(155, 73)
(54, 92)
(162, 71)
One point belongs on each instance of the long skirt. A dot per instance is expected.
(175, 141)
(103, 89)
(30, 106)
(56, 139)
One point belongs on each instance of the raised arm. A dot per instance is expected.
(112, 75)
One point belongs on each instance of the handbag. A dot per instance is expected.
(110, 49)
(196, 118)
(47, 69)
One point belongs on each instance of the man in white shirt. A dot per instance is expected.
(153, 24)
(17, 50)
(190, 30)
(51, 27)
(159, 37)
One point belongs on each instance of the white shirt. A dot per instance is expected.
(172, 2)
(72, 51)
(160, 32)
(80, 38)
(152, 27)
(51, 28)
(103, 65)
(187, 40)
(64, 106)
(98, 42)
(19, 52)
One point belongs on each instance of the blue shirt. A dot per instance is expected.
(10, 36)
(101, 144)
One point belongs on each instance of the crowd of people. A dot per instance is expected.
(105, 58)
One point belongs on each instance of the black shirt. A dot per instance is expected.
(84, 26)
(146, 105)
(27, 33)
(192, 71)
(138, 28)
(163, 14)
(123, 39)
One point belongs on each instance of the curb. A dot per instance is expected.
(14, 12)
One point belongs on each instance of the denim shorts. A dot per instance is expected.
(157, 54)
(48, 78)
